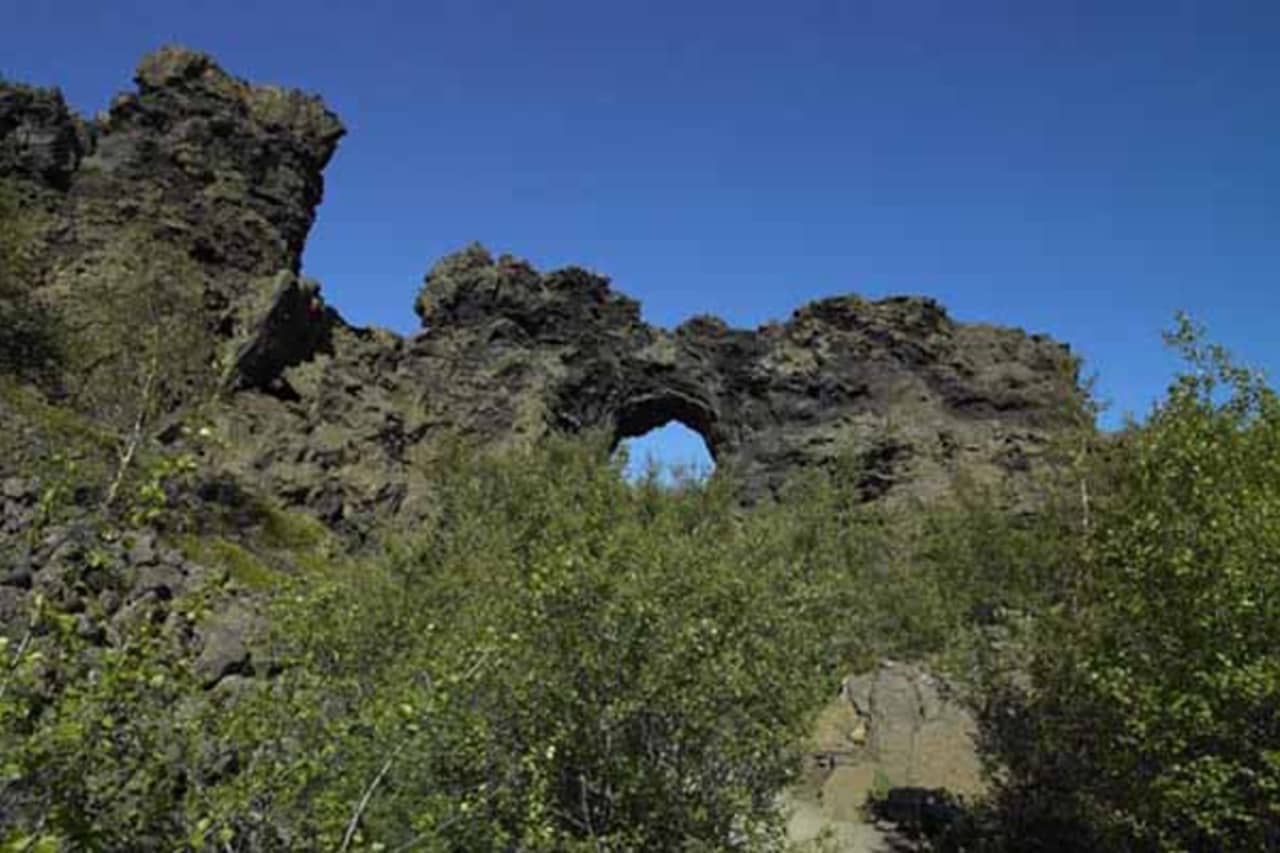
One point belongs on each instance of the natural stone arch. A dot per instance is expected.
(645, 413)
(506, 353)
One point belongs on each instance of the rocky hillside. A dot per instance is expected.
(337, 419)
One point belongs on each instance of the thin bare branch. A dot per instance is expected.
(364, 802)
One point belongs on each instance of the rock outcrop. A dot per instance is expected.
(896, 729)
(910, 397)
(39, 139)
(227, 173)
(340, 419)
(917, 732)
(894, 382)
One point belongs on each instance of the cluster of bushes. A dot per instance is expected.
(559, 659)
(1151, 720)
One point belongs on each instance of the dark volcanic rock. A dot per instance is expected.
(226, 173)
(508, 354)
(289, 330)
(248, 159)
(344, 420)
(895, 383)
(39, 138)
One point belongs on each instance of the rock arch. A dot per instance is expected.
(340, 418)
(643, 414)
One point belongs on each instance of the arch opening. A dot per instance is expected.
(672, 453)
(669, 433)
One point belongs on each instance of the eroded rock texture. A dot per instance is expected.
(195, 160)
(342, 420)
(894, 382)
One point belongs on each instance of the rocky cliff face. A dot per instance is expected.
(227, 173)
(339, 419)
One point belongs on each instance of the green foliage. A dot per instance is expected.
(96, 739)
(556, 660)
(912, 581)
(74, 457)
(67, 453)
(1153, 719)
(156, 479)
(291, 530)
(128, 365)
(243, 567)
(139, 345)
(559, 660)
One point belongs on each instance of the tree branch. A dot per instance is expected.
(364, 803)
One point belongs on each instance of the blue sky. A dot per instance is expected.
(1082, 168)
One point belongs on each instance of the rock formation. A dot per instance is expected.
(228, 173)
(338, 419)
(899, 735)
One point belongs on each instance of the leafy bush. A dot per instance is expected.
(555, 660)
(1153, 716)
(559, 660)
(123, 367)
(127, 368)
(96, 737)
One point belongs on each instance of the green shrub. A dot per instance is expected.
(124, 367)
(560, 660)
(96, 741)
(1153, 717)
(556, 659)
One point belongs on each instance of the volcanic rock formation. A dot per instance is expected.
(338, 419)
(229, 174)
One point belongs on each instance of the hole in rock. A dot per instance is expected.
(673, 453)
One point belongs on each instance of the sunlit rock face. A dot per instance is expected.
(227, 173)
(894, 391)
(343, 420)
(894, 385)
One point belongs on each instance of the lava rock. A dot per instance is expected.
(18, 489)
(39, 137)
(327, 416)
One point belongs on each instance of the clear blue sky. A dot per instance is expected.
(1078, 168)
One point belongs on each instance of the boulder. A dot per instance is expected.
(919, 733)
(900, 734)
(224, 649)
